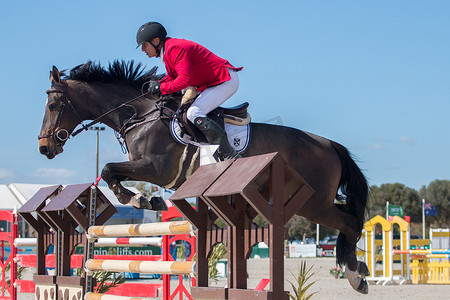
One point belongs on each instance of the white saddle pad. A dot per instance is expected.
(238, 136)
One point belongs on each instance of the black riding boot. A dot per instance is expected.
(216, 135)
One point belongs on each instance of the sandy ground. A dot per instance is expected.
(326, 286)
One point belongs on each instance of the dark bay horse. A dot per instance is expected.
(91, 92)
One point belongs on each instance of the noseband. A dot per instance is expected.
(60, 135)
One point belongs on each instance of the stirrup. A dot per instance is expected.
(233, 155)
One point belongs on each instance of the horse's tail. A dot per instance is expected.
(353, 185)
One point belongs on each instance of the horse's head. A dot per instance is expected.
(60, 117)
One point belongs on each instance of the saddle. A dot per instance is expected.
(236, 115)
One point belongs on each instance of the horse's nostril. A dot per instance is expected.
(43, 150)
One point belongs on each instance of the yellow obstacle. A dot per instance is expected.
(150, 229)
(435, 272)
(382, 250)
(133, 266)
(420, 271)
(371, 253)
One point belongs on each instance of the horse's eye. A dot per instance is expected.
(52, 106)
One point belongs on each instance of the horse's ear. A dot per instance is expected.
(54, 75)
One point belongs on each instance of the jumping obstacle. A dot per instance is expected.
(231, 190)
(176, 230)
(428, 266)
(372, 255)
(236, 191)
(425, 271)
(440, 238)
(8, 290)
(151, 267)
(30, 260)
(416, 265)
(95, 207)
(56, 222)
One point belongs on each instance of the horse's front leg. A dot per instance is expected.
(139, 170)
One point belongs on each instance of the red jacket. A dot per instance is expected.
(190, 64)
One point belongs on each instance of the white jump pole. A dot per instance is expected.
(152, 241)
(25, 242)
(106, 241)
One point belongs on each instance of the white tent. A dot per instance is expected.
(8, 200)
(15, 195)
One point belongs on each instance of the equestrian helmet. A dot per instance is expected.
(149, 31)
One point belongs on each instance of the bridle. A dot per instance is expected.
(62, 135)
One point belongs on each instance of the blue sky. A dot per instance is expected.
(371, 75)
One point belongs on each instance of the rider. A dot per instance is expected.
(190, 64)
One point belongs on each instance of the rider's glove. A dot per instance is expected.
(154, 88)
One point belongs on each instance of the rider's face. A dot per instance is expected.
(149, 49)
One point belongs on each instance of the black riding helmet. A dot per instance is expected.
(149, 31)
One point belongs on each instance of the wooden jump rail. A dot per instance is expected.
(150, 229)
(134, 266)
(97, 296)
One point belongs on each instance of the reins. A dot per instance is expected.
(96, 120)
(62, 135)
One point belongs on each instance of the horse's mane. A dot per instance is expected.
(118, 71)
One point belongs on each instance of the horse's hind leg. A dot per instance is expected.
(355, 270)
(114, 173)
(347, 224)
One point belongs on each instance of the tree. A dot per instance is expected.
(299, 227)
(438, 194)
(396, 194)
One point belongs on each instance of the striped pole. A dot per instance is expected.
(419, 256)
(134, 266)
(106, 241)
(439, 251)
(149, 229)
(95, 296)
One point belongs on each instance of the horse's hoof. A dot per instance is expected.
(363, 287)
(363, 270)
(140, 202)
(158, 203)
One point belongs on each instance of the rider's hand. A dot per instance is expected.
(154, 88)
(188, 93)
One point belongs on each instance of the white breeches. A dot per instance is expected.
(213, 97)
